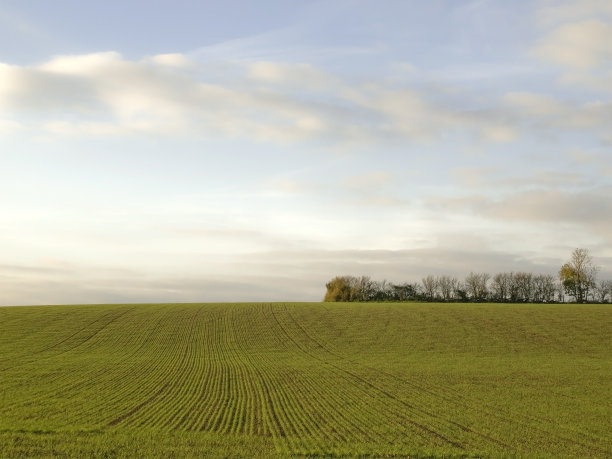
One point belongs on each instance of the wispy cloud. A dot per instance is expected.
(583, 45)
(553, 12)
(369, 181)
(588, 208)
(103, 94)
(168, 94)
(8, 126)
(577, 37)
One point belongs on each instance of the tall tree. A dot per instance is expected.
(340, 288)
(446, 286)
(603, 289)
(404, 292)
(544, 288)
(430, 287)
(476, 285)
(524, 286)
(500, 286)
(578, 275)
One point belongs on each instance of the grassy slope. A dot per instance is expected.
(418, 379)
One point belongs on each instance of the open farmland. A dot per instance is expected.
(306, 379)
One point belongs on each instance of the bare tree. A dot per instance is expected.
(430, 287)
(404, 292)
(500, 286)
(524, 286)
(457, 287)
(364, 289)
(515, 292)
(476, 286)
(578, 275)
(560, 293)
(447, 286)
(544, 288)
(603, 289)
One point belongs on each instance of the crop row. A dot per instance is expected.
(312, 379)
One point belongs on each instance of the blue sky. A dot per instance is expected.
(228, 151)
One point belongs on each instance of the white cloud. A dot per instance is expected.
(406, 113)
(583, 45)
(9, 126)
(369, 181)
(152, 95)
(9, 82)
(475, 177)
(536, 104)
(588, 208)
(559, 11)
(550, 112)
(551, 205)
(583, 156)
(269, 102)
(310, 123)
(84, 64)
(72, 129)
(302, 76)
(384, 201)
(500, 133)
(578, 38)
(600, 81)
(171, 60)
(170, 95)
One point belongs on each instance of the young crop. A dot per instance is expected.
(418, 379)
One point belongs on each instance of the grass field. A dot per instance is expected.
(306, 379)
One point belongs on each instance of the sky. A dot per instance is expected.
(157, 151)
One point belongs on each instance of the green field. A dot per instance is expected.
(306, 379)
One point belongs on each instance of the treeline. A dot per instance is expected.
(520, 287)
(576, 281)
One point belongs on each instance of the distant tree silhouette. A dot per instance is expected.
(577, 280)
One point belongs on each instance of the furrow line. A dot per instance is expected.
(423, 432)
(201, 380)
(36, 360)
(160, 371)
(221, 404)
(458, 399)
(331, 412)
(410, 421)
(231, 396)
(165, 375)
(209, 388)
(184, 397)
(157, 415)
(66, 382)
(215, 394)
(410, 406)
(185, 373)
